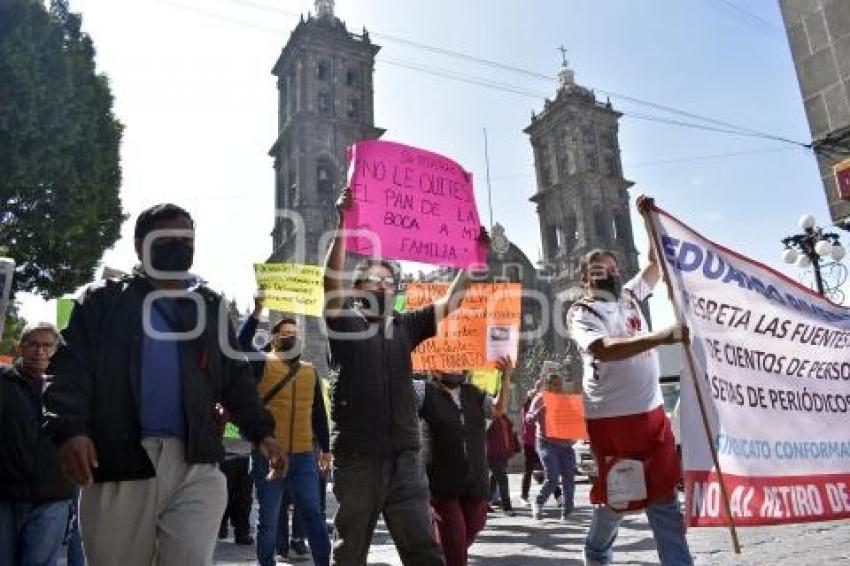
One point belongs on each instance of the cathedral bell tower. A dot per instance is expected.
(582, 197)
(325, 104)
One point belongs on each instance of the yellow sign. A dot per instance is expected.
(488, 380)
(291, 287)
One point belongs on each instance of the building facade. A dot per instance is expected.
(582, 197)
(325, 104)
(819, 35)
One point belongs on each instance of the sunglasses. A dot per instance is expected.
(378, 279)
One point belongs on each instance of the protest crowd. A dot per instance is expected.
(130, 438)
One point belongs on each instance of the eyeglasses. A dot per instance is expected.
(378, 279)
(39, 345)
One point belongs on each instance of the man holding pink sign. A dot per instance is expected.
(406, 204)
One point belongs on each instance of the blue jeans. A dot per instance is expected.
(73, 538)
(665, 520)
(302, 482)
(30, 534)
(559, 464)
(283, 534)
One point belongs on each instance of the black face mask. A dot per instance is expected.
(172, 255)
(377, 302)
(452, 381)
(611, 284)
(289, 347)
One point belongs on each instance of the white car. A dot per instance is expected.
(585, 463)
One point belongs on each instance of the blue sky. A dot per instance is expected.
(193, 87)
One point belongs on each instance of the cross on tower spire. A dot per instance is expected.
(566, 76)
(563, 51)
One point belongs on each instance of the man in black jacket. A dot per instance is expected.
(132, 404)
(34, 497)
(375, 436)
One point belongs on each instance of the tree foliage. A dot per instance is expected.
(11, 330)
(59, 149)
(533, 356)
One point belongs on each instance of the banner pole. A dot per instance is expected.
(659, 257)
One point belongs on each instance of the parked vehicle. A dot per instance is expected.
(585, 463)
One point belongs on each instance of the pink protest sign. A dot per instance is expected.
(417, 205)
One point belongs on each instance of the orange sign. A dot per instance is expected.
(842, 179)
(484, 327)
(564, 416)
(7, 360)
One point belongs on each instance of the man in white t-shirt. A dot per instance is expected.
(623, 404)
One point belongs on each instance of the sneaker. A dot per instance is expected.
(244, 539)
(536, 511)
(525, 500)
(559, 501)
(299, 546)
(510, 512)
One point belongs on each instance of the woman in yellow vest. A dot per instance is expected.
(292, 391)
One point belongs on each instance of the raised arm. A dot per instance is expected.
(503, 399)
(444, 306)
(249, 327)
(651, 273)
(335, 260)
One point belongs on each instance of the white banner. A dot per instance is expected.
(773, 365)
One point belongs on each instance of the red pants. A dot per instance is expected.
(458, 521)
(644, 436)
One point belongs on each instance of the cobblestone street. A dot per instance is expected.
(522, 541)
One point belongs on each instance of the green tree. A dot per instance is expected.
(530, 363)
(11, 330)
(59, 149)
(533, 355)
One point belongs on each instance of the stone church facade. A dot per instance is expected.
(325, 104)
(582, 197)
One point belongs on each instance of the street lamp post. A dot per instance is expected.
(807, 248)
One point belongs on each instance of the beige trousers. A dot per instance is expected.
(168, 520)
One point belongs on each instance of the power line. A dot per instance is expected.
(462, 77)
(221, 18)
(674, 160)
(726, 128)
(709, 157)
(746, 16)
(550, 78)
